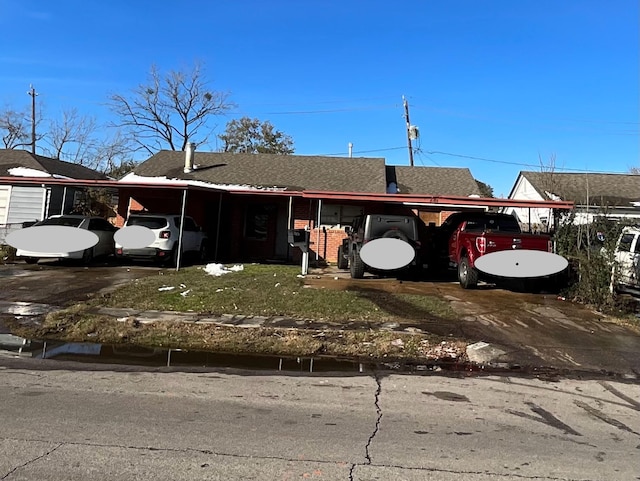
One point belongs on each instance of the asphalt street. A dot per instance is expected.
(62, 420)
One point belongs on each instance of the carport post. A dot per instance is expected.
(215, 255)
(318, 229)
(184, 204)
(64, 199)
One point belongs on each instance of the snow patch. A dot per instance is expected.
(132, 177)
(218, 269)
(27, 172)
(552, 196)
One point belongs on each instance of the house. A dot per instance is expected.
(614, 195)
(248, 202)
(21, 203)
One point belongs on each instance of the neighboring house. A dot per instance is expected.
(29, 203)
(614, 195)
(247, 202)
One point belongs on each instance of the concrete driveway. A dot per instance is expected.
(512, 328)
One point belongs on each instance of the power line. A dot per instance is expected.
(484, 159)
(363, 151)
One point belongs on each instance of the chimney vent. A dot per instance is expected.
(188, 157)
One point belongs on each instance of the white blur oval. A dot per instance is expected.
(521, 263)
(52, 238)
(134, 237)
(387, 254)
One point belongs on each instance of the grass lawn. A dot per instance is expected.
(268, 290)
(258, 290)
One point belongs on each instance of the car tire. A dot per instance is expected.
(31, 260)
(356, 265)
(395, 234)
(467, 275)
(203, 255)
(343, 262)
(87, 256)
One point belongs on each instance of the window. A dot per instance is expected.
(148, 222)
(338, 214)
(63, 221)
(625, 243)
(100, 225)
(637, 247)
(257, 221)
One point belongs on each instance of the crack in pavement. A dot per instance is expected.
(463, 472)
(31, 461)
(290, 460)
(376, 428)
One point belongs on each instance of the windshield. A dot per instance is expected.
(64, 221)
(148, 222)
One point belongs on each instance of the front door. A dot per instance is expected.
(260, 231)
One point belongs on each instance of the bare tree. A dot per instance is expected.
(634, 170)
(72, 138)
(170, 110)
(15, 128)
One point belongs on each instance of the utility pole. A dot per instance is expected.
(406, 117)
(32, 92)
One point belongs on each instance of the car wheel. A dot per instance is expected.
(395, 234)
(467, 275)
(31, 260)
(356, 265)
(87, 256)
(204, 253)
(343, 262)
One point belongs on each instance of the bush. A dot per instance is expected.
(7, 254)
(590, 249)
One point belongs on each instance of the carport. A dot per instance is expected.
(167, 191)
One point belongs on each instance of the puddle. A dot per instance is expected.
(25, 308)
(159, 357)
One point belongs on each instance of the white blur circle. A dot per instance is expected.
(387, 254)
(521, 263)
(134, 237)
(52, 238)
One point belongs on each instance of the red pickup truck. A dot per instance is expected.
(465, 236)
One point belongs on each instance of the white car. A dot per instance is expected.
(163, 245)
(96, 225)
(626, 274)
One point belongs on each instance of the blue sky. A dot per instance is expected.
(489, 84)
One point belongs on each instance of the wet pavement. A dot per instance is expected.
(505, 329)
(521, 329)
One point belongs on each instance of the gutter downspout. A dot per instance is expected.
(179, 253)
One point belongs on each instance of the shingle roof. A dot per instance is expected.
(293, 172)
(10, 158)
(433, 180)
(301, 172)
(602, 189)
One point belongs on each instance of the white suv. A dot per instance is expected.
(166, 233)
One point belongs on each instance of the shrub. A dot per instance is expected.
(590, 249)
(7, 254)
